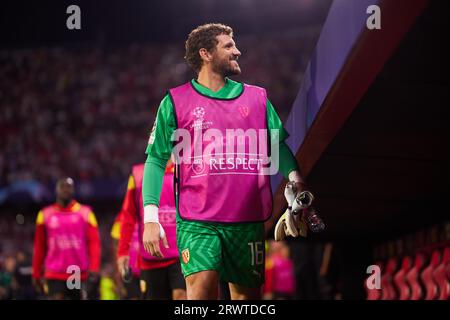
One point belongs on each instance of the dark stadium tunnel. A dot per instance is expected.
(386, 171)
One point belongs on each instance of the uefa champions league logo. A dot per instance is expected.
(199, 122)
(198, 166)
(199, 113)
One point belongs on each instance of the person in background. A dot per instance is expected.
(22, 275)
(67, 241)
(7, 280)
(128, 285)
(280, 276)
(161, 278)
(107, 285)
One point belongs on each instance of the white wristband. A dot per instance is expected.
(151, 213)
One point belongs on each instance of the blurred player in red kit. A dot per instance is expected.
(161, 278)
(67, 244)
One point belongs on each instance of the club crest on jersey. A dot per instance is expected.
(185, 255)
(244, 111)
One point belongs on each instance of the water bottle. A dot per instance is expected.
(313, 220)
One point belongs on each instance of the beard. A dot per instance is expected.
(226, 67)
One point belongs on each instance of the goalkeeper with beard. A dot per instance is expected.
(220, 215)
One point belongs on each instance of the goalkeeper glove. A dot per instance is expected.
(299, 214)
(290, 225)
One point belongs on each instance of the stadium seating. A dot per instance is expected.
(400, 279)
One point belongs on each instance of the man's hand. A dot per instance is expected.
(123, 265)
(38, 286)
(290, 225)
(92, 289)
(297, 181)
(153, 233)
(294, 186)
(291, 222)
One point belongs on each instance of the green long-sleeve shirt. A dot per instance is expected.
(160, 145)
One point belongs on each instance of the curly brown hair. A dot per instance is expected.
(203, 36)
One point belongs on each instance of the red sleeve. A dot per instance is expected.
(268, 284)
(40, 250)
(127, 224)
(94, 248)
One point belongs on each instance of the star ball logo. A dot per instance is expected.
(199, 113)
(199, 122)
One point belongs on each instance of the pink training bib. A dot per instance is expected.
(167, 213)
(66, 238)
(221, 175)
(284, 277)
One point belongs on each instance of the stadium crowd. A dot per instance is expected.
(87, 111)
